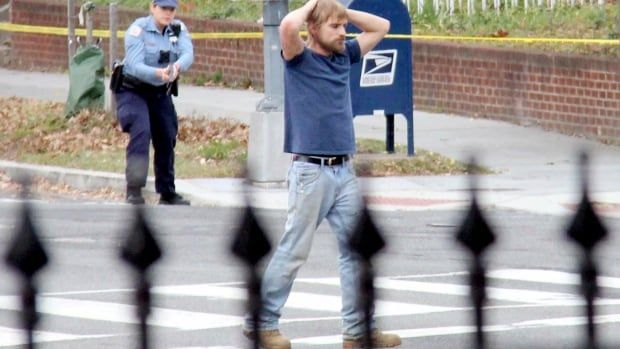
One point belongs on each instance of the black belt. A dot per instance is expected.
(132, 83)
(322, 160)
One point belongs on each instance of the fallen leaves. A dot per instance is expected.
(32, 127)
(44, 189)
(29, 126)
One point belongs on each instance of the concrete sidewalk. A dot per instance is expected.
(536, 170)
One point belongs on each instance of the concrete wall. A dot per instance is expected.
(572, 94)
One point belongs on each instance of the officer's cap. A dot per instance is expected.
(166, 3)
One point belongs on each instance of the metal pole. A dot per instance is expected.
(89, 27)
(113, 19)
(113, 30)
(266, 161)
(71, 29)
(273, 12)
(389, 133)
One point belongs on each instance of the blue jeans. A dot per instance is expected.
(315, 192)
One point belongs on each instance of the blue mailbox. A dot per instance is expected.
(382, 82)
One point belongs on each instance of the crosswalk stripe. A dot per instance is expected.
(549, 277)
(505, 294)
(12, 337)
(456, 330)
(122, 313)
(219, 347)
(58, 304)
(300, 300)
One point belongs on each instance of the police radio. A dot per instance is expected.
(175, 29)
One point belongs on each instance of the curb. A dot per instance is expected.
(79, 179)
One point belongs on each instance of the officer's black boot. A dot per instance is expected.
(134, 196)
(173, 199)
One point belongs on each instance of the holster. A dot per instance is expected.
(116, 80)
(174, 89)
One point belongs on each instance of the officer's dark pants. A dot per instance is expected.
(148, 116)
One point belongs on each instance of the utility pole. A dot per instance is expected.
(267, 161)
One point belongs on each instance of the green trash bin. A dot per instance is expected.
(86, 89)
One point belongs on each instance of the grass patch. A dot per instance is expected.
(580, 21)
(584, 22)
(372, 161)
(37, 132)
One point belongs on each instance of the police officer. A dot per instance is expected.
(157, 49)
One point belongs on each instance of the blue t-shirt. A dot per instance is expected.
(318, 117)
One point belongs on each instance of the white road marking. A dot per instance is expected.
(421, 276)
(206, 348)
(549, 277)
(299, 300)
(126, 290)
(122, 313)
(12, 337)
(504, 294)
(189, 320)
(455, 330)
(74, 240)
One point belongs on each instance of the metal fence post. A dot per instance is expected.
(366, 241)
(251, 245)
(587, 230)
(89, 28)
(113, 19)
(141, 250)
(112, 54)
(476, 235)
(71, 30)
(27, 255)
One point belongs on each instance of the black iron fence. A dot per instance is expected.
(140, 250)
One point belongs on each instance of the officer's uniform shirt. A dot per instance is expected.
(143, 43)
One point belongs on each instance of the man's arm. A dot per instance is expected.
(374, 28)
(292, 44)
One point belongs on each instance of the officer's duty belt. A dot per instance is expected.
(322, 160)
(132, 83)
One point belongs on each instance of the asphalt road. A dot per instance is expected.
(199, 297)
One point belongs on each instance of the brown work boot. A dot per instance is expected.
(270, 339)
(379, 340)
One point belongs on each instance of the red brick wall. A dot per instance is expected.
(237, 60)
(567, 93)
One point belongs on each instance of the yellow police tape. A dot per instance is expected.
(36, 29)
(101, 33)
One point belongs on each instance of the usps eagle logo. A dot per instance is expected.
(378, 68)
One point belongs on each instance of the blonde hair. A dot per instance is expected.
(326, 9)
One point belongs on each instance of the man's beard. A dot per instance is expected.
(335, 46)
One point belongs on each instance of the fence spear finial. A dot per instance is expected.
(251, 245)
(476, 235)
(28, 256)
(141, 251)
(367, 241)
(587, 230)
